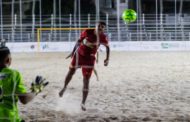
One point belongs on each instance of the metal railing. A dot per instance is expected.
(150, 27)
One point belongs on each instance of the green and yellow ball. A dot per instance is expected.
(129, 15)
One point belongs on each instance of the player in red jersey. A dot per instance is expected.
(83, 55)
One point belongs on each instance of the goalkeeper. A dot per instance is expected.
(12, 89)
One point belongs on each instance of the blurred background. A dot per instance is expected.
(157, 20)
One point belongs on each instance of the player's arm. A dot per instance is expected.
(105, 42)
(74, 49)
(79, 41)
(106, 61)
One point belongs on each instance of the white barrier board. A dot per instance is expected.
(115, 46)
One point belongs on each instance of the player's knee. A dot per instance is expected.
(87, 75)
(86, 85)
(85, 90)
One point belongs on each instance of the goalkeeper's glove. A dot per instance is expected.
(38, 85)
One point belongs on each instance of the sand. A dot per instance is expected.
(135, 87)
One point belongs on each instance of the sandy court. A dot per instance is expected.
(135, 87)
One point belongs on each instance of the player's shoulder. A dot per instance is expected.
(11, 71)
(104, 36)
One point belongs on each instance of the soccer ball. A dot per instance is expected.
(129, 15)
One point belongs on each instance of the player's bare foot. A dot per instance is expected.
(61, 92)
(83, 107)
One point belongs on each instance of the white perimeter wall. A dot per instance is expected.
(115, 46)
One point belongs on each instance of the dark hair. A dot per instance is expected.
(4, 52)
(102, 23)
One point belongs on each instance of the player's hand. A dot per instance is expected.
(106, 61)
(70, 55)
(38, 85)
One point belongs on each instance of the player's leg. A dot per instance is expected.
(71, 72)
(68, 78)
(86, 78)
(96, 73)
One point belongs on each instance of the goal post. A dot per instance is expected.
(40, 30)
